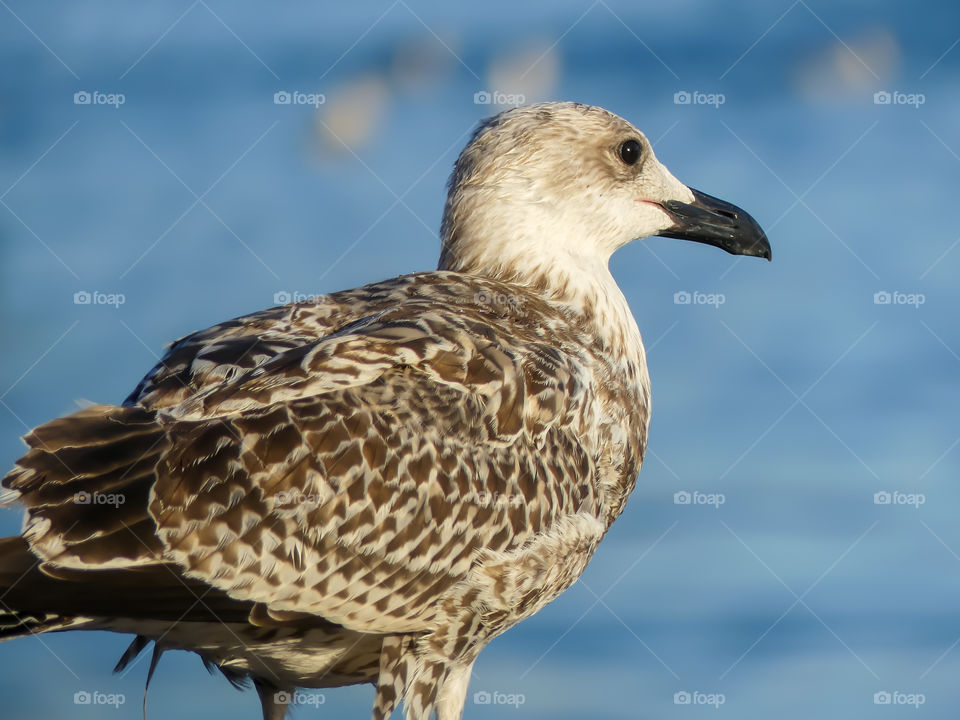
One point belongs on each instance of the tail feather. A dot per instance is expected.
(137, 646)
(17, 566)
(36, 597)
(14, 625)
(85, 481)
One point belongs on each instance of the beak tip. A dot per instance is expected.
(765, 251)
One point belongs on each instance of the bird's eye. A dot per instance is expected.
(629, 152)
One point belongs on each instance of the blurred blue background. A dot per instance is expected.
(796, 399)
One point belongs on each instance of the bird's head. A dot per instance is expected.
(556, 187)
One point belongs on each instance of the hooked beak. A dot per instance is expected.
(715, 222)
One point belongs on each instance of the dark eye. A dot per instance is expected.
(629, 152)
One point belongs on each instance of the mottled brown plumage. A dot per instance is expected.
(370, 486)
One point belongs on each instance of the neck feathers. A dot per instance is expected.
(582, 285)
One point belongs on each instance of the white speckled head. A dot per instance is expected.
(553, 182)
(547, 192)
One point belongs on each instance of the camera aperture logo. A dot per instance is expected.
(896, 97)
(684, 297)
(695, 697)
(95, 697)
(95, 297)
(899, 498)
(296, 97)
(95, 97)
(299, 698)
(685, 497)
(484, 697)
(686, 97)
(896, 697)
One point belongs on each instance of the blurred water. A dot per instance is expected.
(798, 398)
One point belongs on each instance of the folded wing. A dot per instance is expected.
(357, 477)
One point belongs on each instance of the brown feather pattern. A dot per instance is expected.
(392, 460)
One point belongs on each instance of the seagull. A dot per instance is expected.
(369, 486)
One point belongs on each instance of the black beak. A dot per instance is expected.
(715, 222)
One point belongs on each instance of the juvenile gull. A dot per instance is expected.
(368, 487)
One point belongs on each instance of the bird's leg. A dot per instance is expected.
(438, 685)
(453, 692)
(423, 688)
(396, 659)
(426, 683)
(273, 700)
